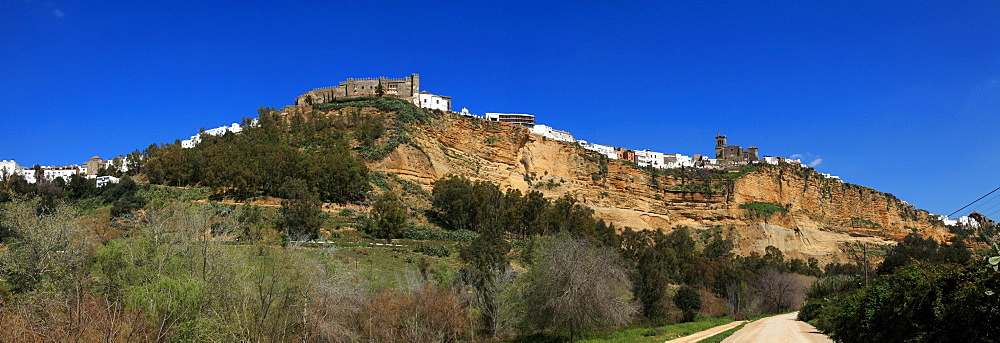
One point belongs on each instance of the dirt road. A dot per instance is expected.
(707, 333)
(778, 329)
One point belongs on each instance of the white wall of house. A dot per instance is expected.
(605, 150)
(51, 173)
(434, 102)
(548, 131)
(219, 131)
(677, 161)
(646, 158)
(8, 168)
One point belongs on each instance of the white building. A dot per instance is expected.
(8, 168)
(465, 112)
(646, 158)
(776, 160)
(605, 150)
(51, 173)
(512, 118)
(548, 131)
(105, 180)
(962, 221)
(828, 176)
(219, 131)
(677, 161)
(434, 102)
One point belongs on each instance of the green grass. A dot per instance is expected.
(661, 333)
(723, 335)
(385, 266)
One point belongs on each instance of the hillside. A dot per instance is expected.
(821, 213)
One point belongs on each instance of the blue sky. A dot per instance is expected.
(902, 97)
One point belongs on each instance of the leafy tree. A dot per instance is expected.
(485, 270)
(300, 211)
(688, 301)
(452, 204)
(80, 187)
(388, 217)
(916, 248)
(921, 302)
(649, 284)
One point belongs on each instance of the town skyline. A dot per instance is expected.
(889, 96)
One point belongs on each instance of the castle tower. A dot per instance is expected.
(415, 88)
(720, 146)
(753, 154)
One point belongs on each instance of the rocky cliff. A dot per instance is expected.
(819, 215)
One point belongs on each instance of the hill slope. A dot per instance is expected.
(819, 214)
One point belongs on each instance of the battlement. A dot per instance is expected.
(406, 88)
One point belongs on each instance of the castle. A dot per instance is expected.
(733, 154)
(407, 88)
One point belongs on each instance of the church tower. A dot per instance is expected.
(720, 146)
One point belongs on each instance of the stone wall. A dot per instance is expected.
(406, 88)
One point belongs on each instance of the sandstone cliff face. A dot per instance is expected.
(822, 213)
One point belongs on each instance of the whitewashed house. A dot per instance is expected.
(434, 102)
(8, 168)
(605, 150)
(548, 131)
(646, 158)
(51, 173)
(219, 131)
(677, 161)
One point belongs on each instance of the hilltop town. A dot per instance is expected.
(408, 88)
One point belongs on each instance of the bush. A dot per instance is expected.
(430, 250)
(763, 209)
(424, 233)
(688, 301)
(920, 302)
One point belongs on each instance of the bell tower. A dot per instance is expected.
(720, 146)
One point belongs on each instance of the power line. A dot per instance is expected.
(970, 204)
(990, 208)
(985, 203)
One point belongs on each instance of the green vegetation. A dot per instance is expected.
(925, 292)
(166, 261)
(723, 335)
(660, 333)
(760, 209)
(312, 147)
(862, 222)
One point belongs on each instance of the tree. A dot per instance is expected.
(300, 211)
(388, 217)
(48, 245)
(688, 301)
(921, 302)
(379, 91)
(452, 204)
(916, 248)
(577, 286)
(650, 280)
(779, 292)
(488, 273)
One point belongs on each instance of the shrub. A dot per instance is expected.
(430, 250)
(688, 301)
(763, 209)
(424, 233)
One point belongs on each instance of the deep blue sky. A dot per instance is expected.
(901, 97)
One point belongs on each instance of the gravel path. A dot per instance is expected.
(707, 333)
(778, 329)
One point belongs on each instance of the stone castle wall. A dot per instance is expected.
(405, 88)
